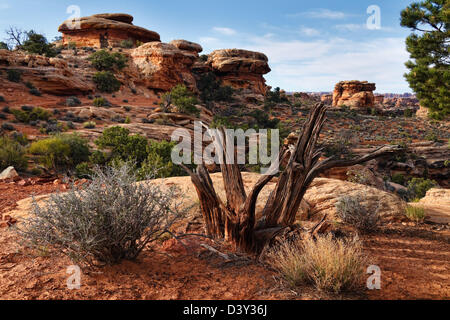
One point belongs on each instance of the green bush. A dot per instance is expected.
(399, 178)
(3, 46)
(212, 90)
(89, 125)
(418, 187)
(106, 82)
(123, 146)
(183, 99)
(276, 96)
(127, 44)
(31, 114)
(73, 102)
(160, 159)
(14, 75)
(37, 44)
(100, 102)
(2, 99)
(12, 153)
(61, 152)
(105, 61)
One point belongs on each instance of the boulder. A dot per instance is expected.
(437, 205)
(162, 66)
(104, 30)
(9, 173)
(354, 94)
(240, 69)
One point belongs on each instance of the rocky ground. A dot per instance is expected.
(413, 257)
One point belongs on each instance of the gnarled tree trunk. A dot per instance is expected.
(236, 220)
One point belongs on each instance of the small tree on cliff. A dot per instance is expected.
(430, 56)
(236, 220)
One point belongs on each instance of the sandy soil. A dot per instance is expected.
(414, 261)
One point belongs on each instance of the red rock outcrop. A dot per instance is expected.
(354, 94)
(162, 65)
(105, 30)
(240, 68)
(49, 75)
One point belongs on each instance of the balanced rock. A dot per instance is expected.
(354, 94)
(241, 68)
(162, 65)
(105, 30)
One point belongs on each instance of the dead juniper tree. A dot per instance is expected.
(236, 220)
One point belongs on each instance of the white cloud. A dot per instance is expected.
(350, 27)
(310, 32)
(225, 31)
(318, 64)
(321, 14)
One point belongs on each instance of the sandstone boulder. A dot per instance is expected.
(437, 205)
(9, 173)
(240, 68)
(354, 94)
(162, 66)
(104, 30)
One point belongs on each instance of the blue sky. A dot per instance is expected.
(311, 45)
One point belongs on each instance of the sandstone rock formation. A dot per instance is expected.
(437, 205)
(9, 173)
(162, 66)
(354, 94)
(104, 30)
(240, 68)
(327, 99)
(49, 75)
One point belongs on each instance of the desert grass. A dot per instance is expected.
(331, 265)
(416, 214)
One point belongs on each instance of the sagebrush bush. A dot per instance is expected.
(111, 219)
(414, 213)
(106, 82)
(100, 102)
(12, 153)
(37, 44)
(331, 265)
(105, 61)
(73, 102)
(61, 152)
(351, 210)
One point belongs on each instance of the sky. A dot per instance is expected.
(311, 45)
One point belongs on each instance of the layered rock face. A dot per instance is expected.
(105, 30)
(354, 94)
(240, 68)
(49, 75)
(162, 65)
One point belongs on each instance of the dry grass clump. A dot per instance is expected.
(331, 265)
(416, 214)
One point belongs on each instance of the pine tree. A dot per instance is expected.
(428, 46)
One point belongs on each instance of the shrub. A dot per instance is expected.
(89, 125)
(416, 214)
(2, 99)
(160, 159)
(100, 102)
(12, 153)
(14, 75)
(35, 92)
(399, 178)
(331, 265)
(37, 44)
(418, 187)
(73, 102)
(127, 44)
(183, 99)
(29, 114)
(3, 46)
(263, 121)
(122, 146)
(106, 82)
(83, 171)
(104, 61)
(212, 90)
(7, 126)
(61, 152)
(111, 219)
(351, 210)
(276, 96)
